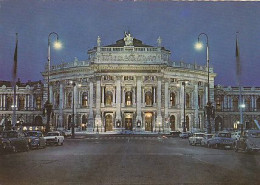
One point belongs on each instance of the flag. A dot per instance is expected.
(15, 59)
(238, 58)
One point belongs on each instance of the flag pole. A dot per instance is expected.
(239, 83)
(14, 119)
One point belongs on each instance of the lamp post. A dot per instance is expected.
(48, 105)
(184, 104)
(73, 105)
(209, 109)
(73, 83)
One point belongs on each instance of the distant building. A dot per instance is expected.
(28, 100)
(227, 107)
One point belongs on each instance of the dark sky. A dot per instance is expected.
(79, 22)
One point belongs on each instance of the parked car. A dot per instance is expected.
(205, 139)
(66, 133)
(221, 140)
(14, 141)
(249, 142)
(196, 138)
(235, 135)
(36, 139)
(54, 137)
(185, 135)
(175, 133)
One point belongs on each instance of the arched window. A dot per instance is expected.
(172, 99)
(187, 100)
(235, 103)
(84, 99)
(128, 98)
(21, 103)
(109, 98)
(84, 122)
(38, 120)
(9, 103)
(218, 103)
(57, 100)
(69, 100)
(247, 104)
(38, 103)
(258, 104)
(148, 98)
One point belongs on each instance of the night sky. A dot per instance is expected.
(79, 22)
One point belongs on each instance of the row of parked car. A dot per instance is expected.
(24, 141)
(249, 141)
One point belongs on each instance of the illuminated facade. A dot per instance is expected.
(129, 85)
(227, 107)
(28, 103)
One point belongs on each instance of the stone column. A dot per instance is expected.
(143, 97)
(252, 103)
(90, 125)
(98, 122)
(114, 97)
(60, 123)
(166, 107)
(31, 101)
(255, 106)
(154, 96)
(103, 96)
(118, 99)
(138, 100)
(133, 96)
(159, 104)
(196, 105)
(123, 97)
(1, 101)
(4, 102)
(26, 102)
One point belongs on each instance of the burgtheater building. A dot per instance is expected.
(129, 85)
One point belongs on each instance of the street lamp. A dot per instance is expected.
(209, 107)
(48, 105)
(184, 104)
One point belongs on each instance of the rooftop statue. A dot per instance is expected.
(128, 39)
(98, 41)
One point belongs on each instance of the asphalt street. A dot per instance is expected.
(129, 160)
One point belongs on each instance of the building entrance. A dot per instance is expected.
(148, 121)
(172, 121)
(108, 123)
(128, 121)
